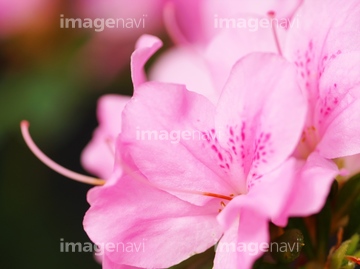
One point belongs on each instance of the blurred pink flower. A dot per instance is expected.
(98, 156)
(108, 51)
(194, 22)
(18, 15)
(169, 193)
(138, 11)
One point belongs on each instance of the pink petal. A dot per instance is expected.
(185, 65)
(340, 138)
(261, 116)
(187, 18)
(165, 229)
(267, 198)
(253, 229)
(223, 258)
(250, 237)
(352, 165)
(108, 264)
(167, 141)
(337, 108)
(98, 156)
(313, 49)
(311, 188)
(229, 46)
(146, 46)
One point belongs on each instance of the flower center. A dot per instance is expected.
(308, 142)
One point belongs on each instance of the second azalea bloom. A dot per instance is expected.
(98, 156)
(190, 174)
(327, 55)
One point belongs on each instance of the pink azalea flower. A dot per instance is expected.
(329, 74)
(327, 55)
(169, 193)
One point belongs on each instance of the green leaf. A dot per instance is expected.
(323, 226)
(354, 219)
(353, 246)
(337, 258)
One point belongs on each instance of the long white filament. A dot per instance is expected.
(24, 125)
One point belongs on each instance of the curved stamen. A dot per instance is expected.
(217, 195)
(24, 125)
(271, 14)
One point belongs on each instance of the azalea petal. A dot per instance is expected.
(253, 233)
(145, 47)
(129, 212)
(225, 249)
(184, 65)
(335, 30)
(327, 57)
(311, 188)
(264, 201)
(230, 45)
(98, 156)
(352, 165)
(340, 138)
(167, 142)
(261, 114)
(337, 108)
(267, 198)
(244, 242)
(183, 21)
(108, 264)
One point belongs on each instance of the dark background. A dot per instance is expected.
(45, 79)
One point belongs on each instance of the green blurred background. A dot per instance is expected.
(52, 77)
